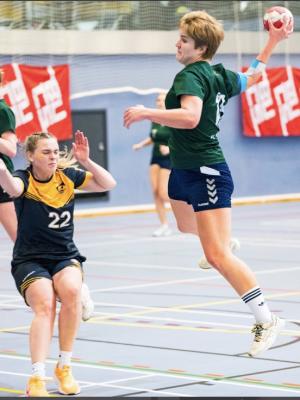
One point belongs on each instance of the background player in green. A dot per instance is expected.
(200, 184)
(160, 166)
(8, 150)
(46, 263)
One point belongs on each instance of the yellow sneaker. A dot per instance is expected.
(65, 380)
(36, 387)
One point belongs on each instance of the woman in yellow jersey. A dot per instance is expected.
(46, 262)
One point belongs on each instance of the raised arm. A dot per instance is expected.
(12, 185)
(259, 64)
(102, 180)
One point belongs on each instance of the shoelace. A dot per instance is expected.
(66, 371)
(257, 330)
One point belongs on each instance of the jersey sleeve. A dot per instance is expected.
(187, 82)
(23, 175)
(7, 121)
(231, 80)
(78, 176)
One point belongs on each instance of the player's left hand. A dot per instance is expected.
(80, 147)
(283, 32)
(134, 114)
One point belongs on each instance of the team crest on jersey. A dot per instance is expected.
(61, 188)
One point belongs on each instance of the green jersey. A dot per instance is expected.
(160, 134)
(214, 85)
(7, 124)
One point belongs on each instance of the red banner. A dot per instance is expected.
(39, 97)
(271, 107)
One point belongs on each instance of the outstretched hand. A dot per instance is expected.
(283, 32)
(80, 147)
(134, 114)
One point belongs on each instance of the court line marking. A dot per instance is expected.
(205, 304)
(195, 269)
(50, 378)
(187, 328)
(109, 384)
(200, 312)
(104, 320)
(180, 281)
(14, 306)
(8, 390)
(16, 328)
(246, 241)
(139, 266)
(150, 207)
(13, 296)
(185, 376)
(188, 321)
(231, 301)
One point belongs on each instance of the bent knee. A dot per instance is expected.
(71, 295)
(217, 258)
(45, 308)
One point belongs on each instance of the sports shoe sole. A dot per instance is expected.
(60, 391)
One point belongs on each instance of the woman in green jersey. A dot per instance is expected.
(8, 150)
(160, 166)
(200, 184)
(46, 262)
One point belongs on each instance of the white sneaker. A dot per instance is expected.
(163, 230)
(265, 335)
(86, 302)
(234, 246)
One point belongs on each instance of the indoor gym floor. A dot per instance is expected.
(163, 327)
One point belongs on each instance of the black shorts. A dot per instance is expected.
(163, 162)
(205, 188)
(4, 197)
(29, 271)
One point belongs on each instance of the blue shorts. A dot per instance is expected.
(29, 271)
(163, 162)
(205, 188)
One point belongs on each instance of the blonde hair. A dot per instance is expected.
(204, 29)
(66, 158)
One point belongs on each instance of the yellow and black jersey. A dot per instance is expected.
(45, 216)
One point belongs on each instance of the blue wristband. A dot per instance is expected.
(243, 80)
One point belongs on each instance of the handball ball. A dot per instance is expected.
(276, 15)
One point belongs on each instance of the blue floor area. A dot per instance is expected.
(164, 327)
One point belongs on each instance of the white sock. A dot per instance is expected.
(38, 369)
(256, 302)
(64, 358)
